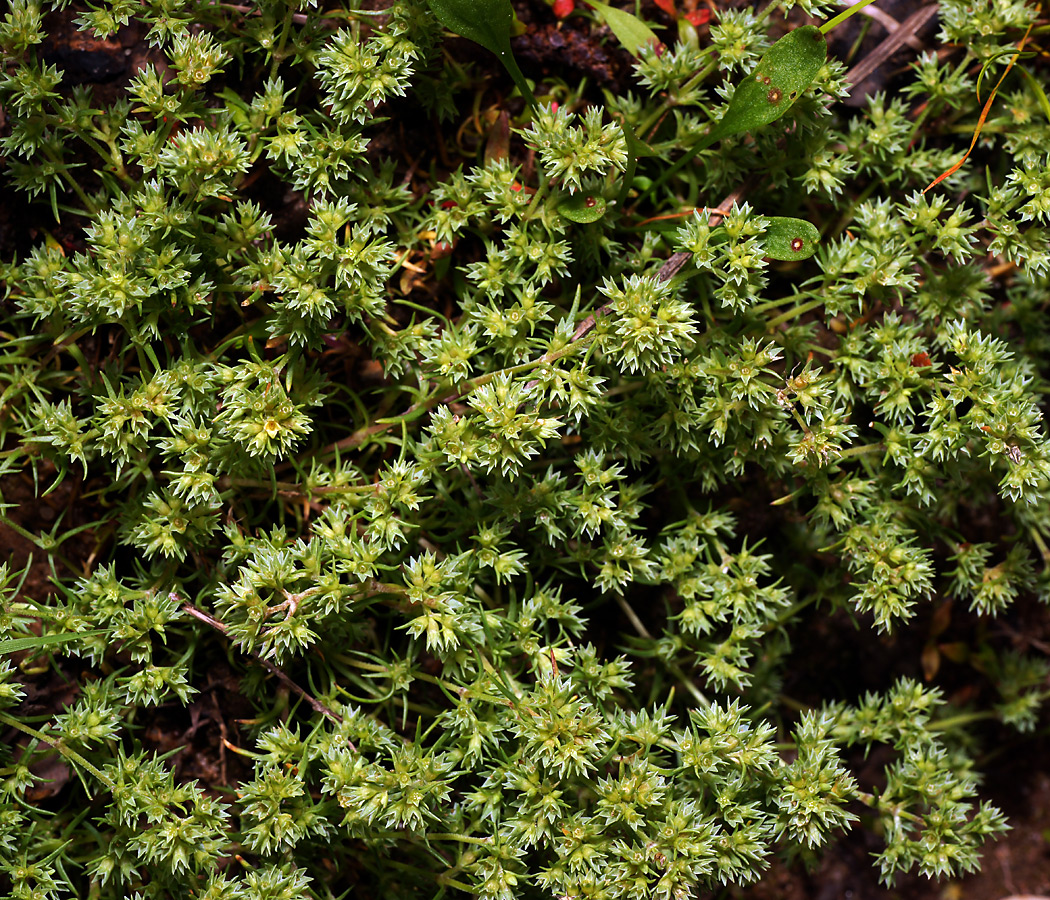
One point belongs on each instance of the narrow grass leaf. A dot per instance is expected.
(35, 642)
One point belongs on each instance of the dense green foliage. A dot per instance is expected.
(452, 472)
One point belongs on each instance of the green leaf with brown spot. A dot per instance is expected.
(779, 79)
(583, 208)
(789, 239)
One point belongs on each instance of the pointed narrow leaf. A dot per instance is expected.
(789, 239)
(630, 31)
(635, 149)
(1040, 94)
(16, 645)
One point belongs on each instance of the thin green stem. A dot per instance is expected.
(672, 667)
(687, 682)
(511, 65)
(458, 885)
(385, 670)
(863, 450)
(962, 719)
(1044, 551)
(702, 75)
(541, 191)
(463, 838)
(65, 751)
(761, 308)
(446, 393)
(278, 53)
(632, 617)
(89, 205)
(842, 16)
(791, 612)
(290, 487)
(666, 105)
(794, 312)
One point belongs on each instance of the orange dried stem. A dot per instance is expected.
(984, 115)
(682, 214)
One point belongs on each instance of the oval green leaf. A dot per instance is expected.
(486, 22)
(789, 239)
(583, 208)
(779, 79)
(629, 30)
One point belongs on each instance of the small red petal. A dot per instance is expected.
(562, 8)
(448, 204)
(699, 17)
(515, 186)
(921, 359)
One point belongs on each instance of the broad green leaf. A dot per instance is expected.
(485, 22)
(780, 77)
(582, 208)
(15, 645)
(630, 31)
(789, 239)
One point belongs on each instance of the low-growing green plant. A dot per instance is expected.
(505, 444)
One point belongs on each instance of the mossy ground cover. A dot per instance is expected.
(605, 460)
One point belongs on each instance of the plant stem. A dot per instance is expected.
(672, 667)
(440, 396)
(961, 719)
(862, 450)
(316, 704)
(65, 751)
(464, 838)
(799, 310)
(842, 16)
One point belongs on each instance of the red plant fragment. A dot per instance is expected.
(698, 17)
(562, 8)
(921, 360)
